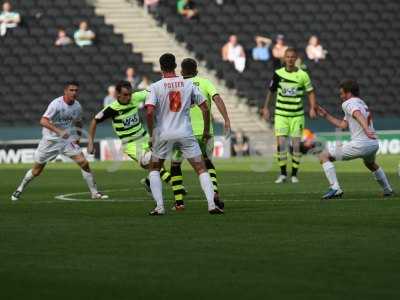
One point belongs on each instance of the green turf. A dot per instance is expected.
(274, 242)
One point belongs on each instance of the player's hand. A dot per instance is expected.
(312, 113)
(322, 112)
(64, 134)
(265, 114)
(370, 134)
(227, 128)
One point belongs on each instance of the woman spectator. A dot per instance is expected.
(314, 50)
(233, 52)
(62, 38)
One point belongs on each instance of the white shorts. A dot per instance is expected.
(49, 150)
(353, 150)
(188, 146)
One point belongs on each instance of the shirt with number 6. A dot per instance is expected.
(349, 107)
(172, 98)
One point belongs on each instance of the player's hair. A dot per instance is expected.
(291, 49)
(122, 84)
(350, 85)
(189, 67)
(71, 82)
(167, 62)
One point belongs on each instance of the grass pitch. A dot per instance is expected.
(275, 241)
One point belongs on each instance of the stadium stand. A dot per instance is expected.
(362, 37)
(33, 69)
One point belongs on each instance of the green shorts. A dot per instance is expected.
(206, 148)
(289, 126)
(137, 148)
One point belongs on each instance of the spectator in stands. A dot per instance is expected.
(133, 78)
(62, 38)
(188, 9)
(84, 36)
(233, 52)
(144, 84)
(151, 6)
(240, 144)
(261, 51)
(314, 50)
(8, 18)
(111, 97)
(278, 51)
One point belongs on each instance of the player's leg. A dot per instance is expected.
(191, 151)
(281, 132)
(296, 132)
(88, 176)
(177, 180)
(45, 152)
(29, 176)
(379, 174)
(334, 191)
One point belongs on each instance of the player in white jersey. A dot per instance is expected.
(169, 102)
(363, 144)
(61, 117)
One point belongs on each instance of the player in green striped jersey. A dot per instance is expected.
(290, 84)
(189, 70)
(124, 113)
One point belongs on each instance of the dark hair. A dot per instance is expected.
(122, 84)
(189, 67)
(350, 85)
(167, 62)
(71, 82)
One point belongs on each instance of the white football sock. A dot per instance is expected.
(156, 188)
(208, 189)
(88, 176)
(330, 172)
(27, 178)
(380, 176)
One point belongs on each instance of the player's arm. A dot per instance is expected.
(150, 109)
(103, 115)
(312, 101)
(45, 122)
(273, 87)
(339, 123)
(364, 124)
(223, 111)
(78, 125)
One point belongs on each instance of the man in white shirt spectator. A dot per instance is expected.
(84, 36)
(233, 52)
(8, 19)
(314, 49)
(111, 97)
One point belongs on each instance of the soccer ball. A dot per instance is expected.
(145, 159)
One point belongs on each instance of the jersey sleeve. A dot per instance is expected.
(307, 83)
(151, 98)
(273, 85)
(106, 113)
(139, 97)
(211, 90)
(51, 110)
(197, 97)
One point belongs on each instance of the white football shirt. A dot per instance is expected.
(356, 131)
(62, 116)
(172, 98)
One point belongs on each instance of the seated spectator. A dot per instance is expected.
(144, 84)
(233, 52)
(278, 51)
(84, 36)
(111, 97)
(240, 144)
(314, 50)
(8, 19)
(151, 5)
(132, 77)
(188, 9)
(62, 38)
(261, 51)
